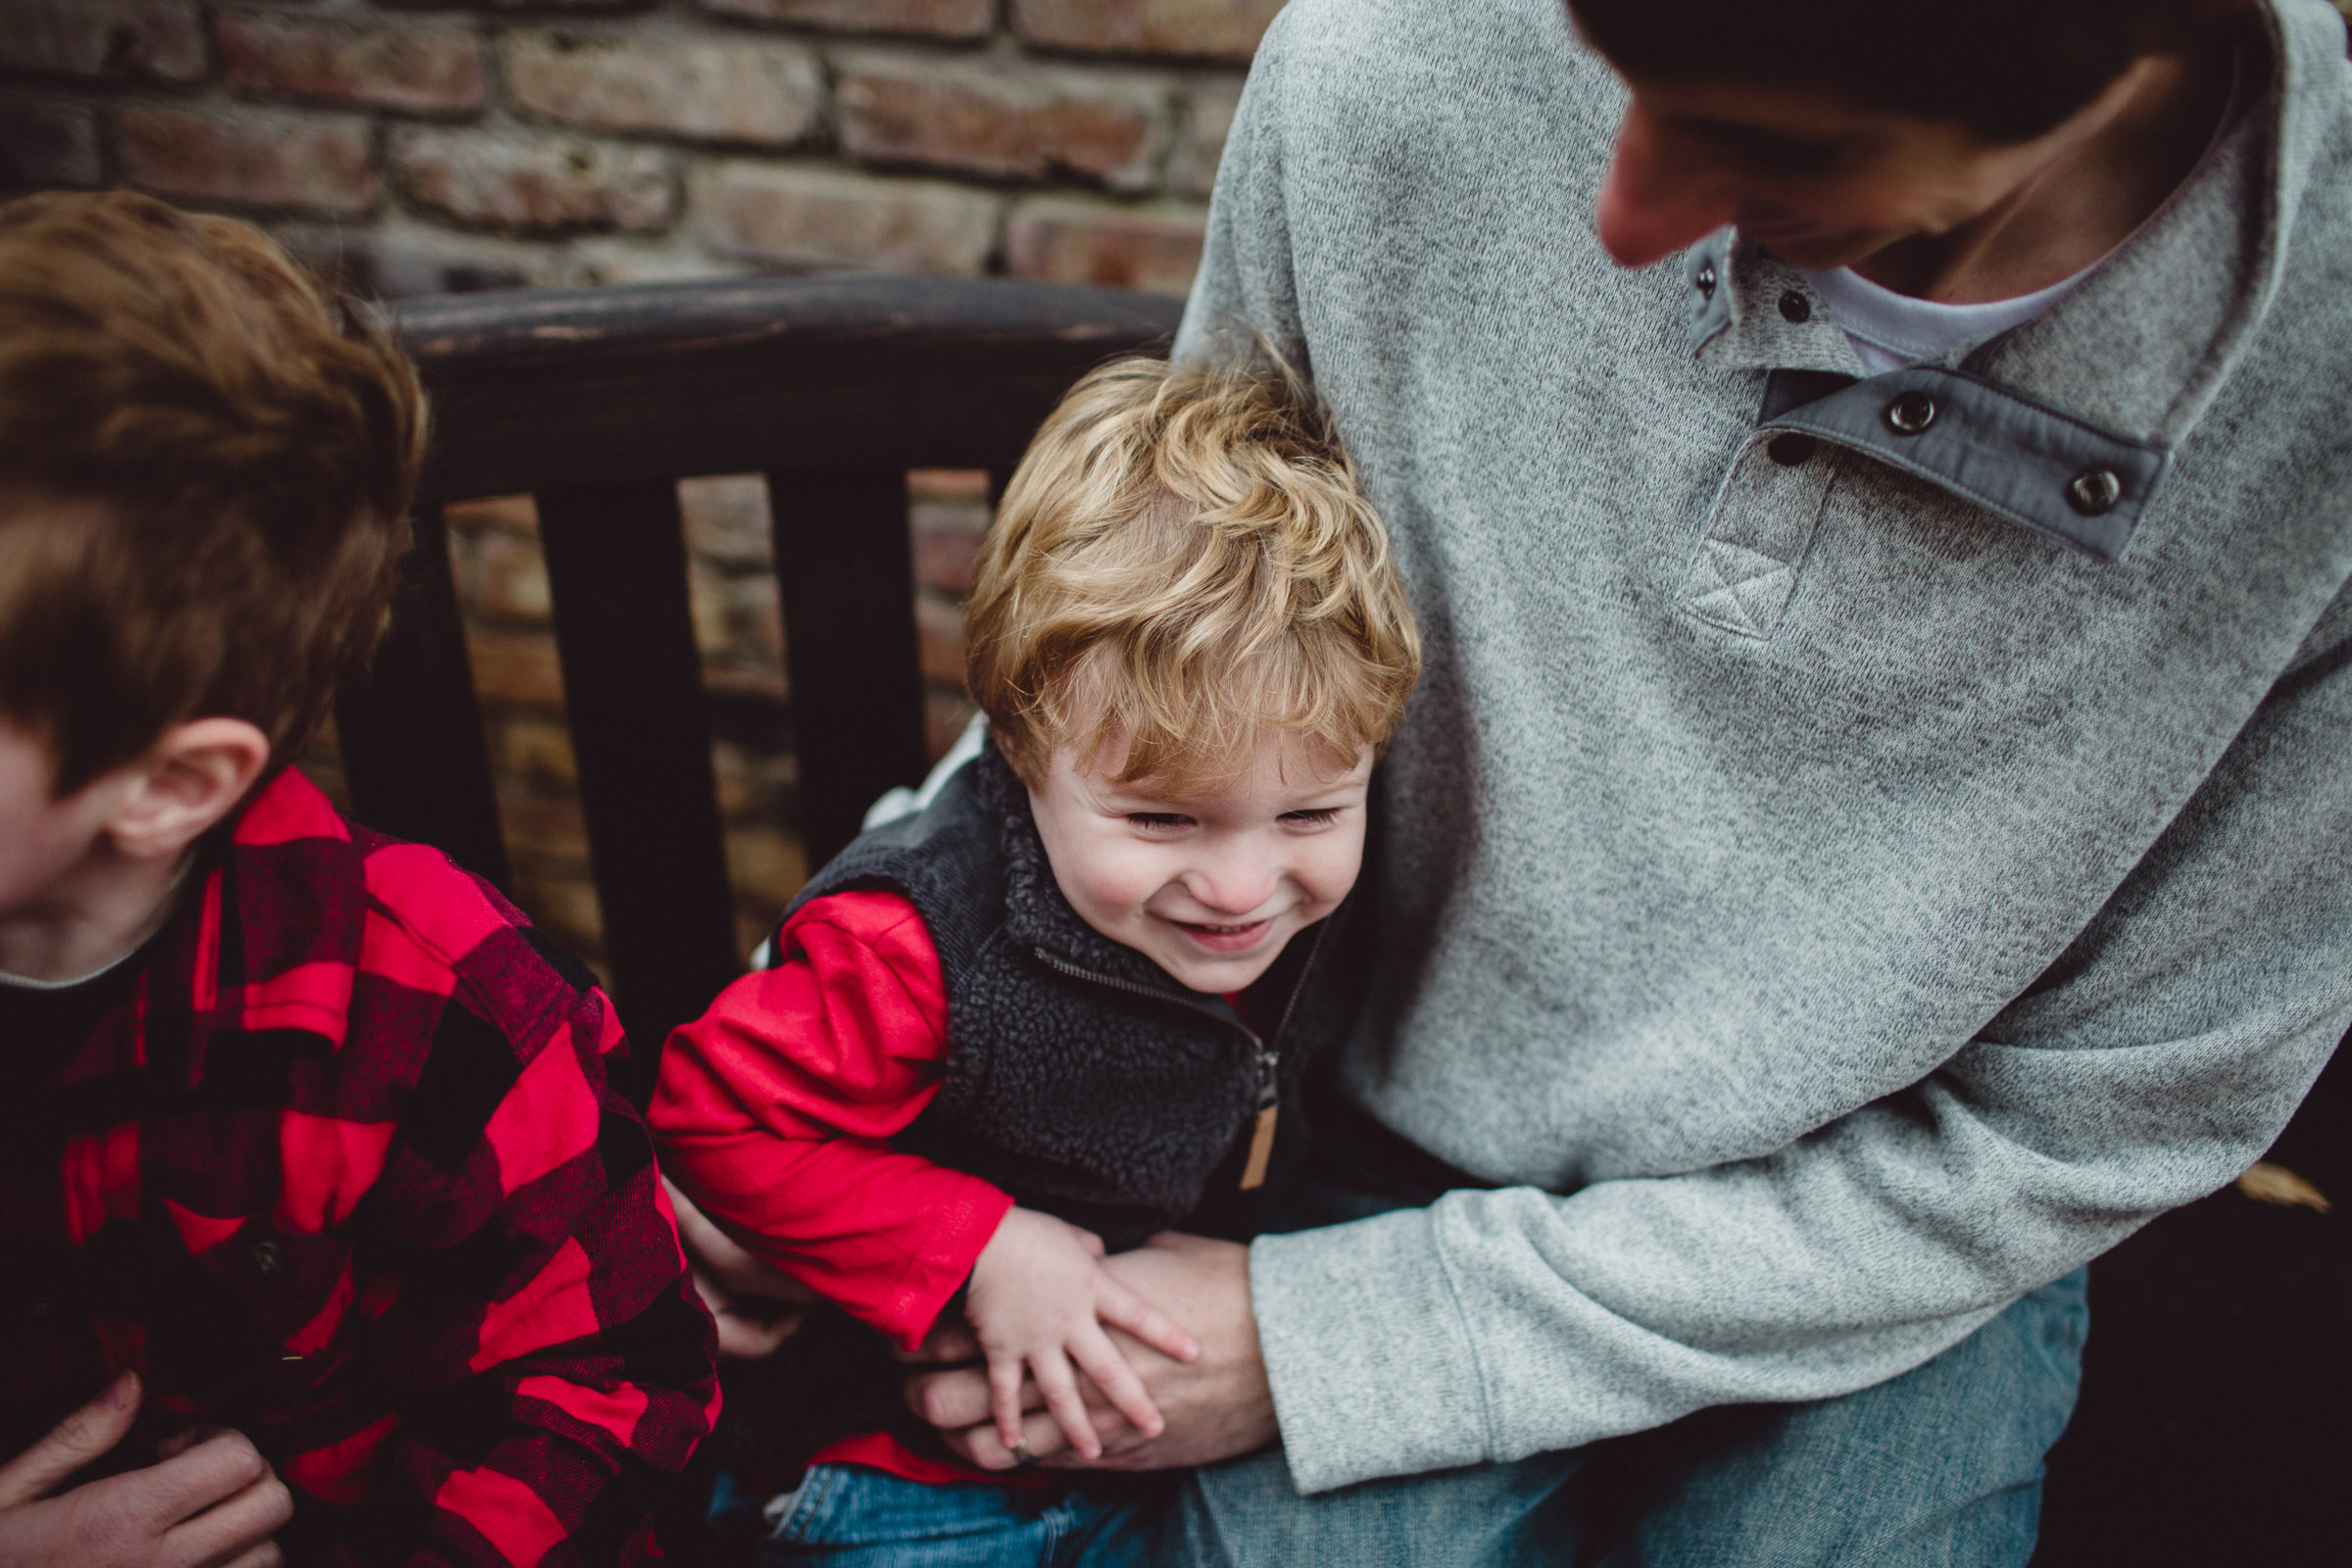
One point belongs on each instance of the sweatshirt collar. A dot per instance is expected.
(2104, 385)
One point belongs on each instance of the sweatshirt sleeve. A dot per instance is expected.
(1243, 290)
(2149, 1066)
(774, 1111)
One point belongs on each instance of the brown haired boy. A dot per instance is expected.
(1070, 1003)
(310, 1135)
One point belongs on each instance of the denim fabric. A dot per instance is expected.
(847, 1516)
(1938, 1468)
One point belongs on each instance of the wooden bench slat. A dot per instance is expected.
(846, 571)
(410, 726)
(633, 692)
(663, 381)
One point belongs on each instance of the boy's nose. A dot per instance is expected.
(1657, 197)
(1232, 883)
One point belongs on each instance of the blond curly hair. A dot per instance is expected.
(1184, 560)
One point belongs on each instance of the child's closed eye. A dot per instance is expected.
(1158, 821)
(1320, 816)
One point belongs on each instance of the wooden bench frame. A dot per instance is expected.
(597, 401)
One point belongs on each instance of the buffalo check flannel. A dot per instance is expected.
(342, 1170)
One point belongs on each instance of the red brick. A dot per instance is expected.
(709, 89)
(934, 19)
(402, 64)
(982, 118)
(1215, 29)
(752, 782)
(48, 145)
(765, 865)
(739, 628)
(1059, 240)
(503, 514)
(535, 183)
(254, 157)
(507, 4)
(946, 484)
(539, 750)
(135, 40)
(547, 827)
(818, 218)
(947, 541)
(726, 519)
(518, 667)
(562, 903)
(503, 576)
(939, 637)
(1207, 121)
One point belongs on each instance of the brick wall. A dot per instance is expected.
(421, 145)
(417, 146)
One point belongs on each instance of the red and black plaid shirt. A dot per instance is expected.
(341, 1169)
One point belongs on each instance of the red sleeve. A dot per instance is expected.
(773, 1109)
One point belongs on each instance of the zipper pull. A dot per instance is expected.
(1261, 1135)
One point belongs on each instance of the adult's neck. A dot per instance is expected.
(91, 916)
(2101, 185)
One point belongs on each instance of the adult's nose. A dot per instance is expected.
(1657, 197)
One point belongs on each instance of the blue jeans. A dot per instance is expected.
(846, 1516)
(1938, 1468)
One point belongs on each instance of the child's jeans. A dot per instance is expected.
(847, 1516)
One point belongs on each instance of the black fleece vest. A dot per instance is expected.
(1080, 1078)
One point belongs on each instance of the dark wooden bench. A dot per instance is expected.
(2217, 1388)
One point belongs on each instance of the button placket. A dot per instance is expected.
(1745, 569)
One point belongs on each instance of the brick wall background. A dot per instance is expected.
(413, 146)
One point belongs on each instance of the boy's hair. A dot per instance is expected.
(204, 472)
(1184, 558)
(2007, 69)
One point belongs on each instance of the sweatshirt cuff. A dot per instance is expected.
(1367, 1351)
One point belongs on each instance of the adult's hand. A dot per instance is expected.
(1216, 1406)
(214, 1505)
(755, 1305)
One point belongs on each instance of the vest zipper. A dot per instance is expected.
(1268, 1059)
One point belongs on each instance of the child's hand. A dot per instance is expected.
(1039, 1298)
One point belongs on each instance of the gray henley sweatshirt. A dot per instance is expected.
(1837, 895)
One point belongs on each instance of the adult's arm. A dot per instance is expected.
(2153, 1062)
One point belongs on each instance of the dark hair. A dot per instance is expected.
(204, 468)
(2008, 69)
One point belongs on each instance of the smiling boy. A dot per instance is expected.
(1068, 1004)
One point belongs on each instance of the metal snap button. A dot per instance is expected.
(2093, 491)
(1790, 447)
(269, 1259)
(1795, 307)
(1911, 413)
(1704, 283)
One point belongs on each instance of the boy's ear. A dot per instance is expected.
(191, 778)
